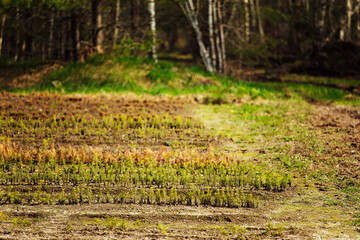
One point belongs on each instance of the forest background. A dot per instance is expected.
(319, 37)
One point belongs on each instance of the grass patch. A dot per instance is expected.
(311, 92)
(320, 80)
(104, 73)
(279, 134)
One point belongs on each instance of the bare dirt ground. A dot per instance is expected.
(339, 128)
(144, 222)
(76, 108)
(45, 105)
(315, 210)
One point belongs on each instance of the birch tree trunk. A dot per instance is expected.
(189, 11)
(349, 17)
(3, 20)
(345, 22)
(153, 29)
(211, 33)
(117, 22)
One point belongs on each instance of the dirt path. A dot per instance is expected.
(142, 222)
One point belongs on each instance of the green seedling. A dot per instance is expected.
(20, 222)
(161, 228)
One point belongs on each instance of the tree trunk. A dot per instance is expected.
(153, 29)
(135, 18)
(253, 15)
(62, 36)
(217, 38)
(3, 20)
(68, 39)
(211, 33)
(28, 34)
(342, 29)
(97, 31)
(117, 22)
(231, 18)
(247, 20)
(189, 11)
(100, 32)
(75, 37)
(222, 39)
(349, 16)
(17, 35)
(261, 29)
(343, 34)
(51, 35)
(322, 17)
(94, 23)
(358, 21)
(330, 12)
(307, 6)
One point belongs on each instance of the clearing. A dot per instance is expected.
(106, 166)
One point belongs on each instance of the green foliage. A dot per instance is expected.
(161, 228)
(162, 73)
(129, 48)
(232, 231)
(122, 72)
(274, 230)
(69, 227)
(3, 216)
(112, 223)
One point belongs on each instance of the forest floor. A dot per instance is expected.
(298, 160)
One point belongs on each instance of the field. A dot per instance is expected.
(254, 162)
